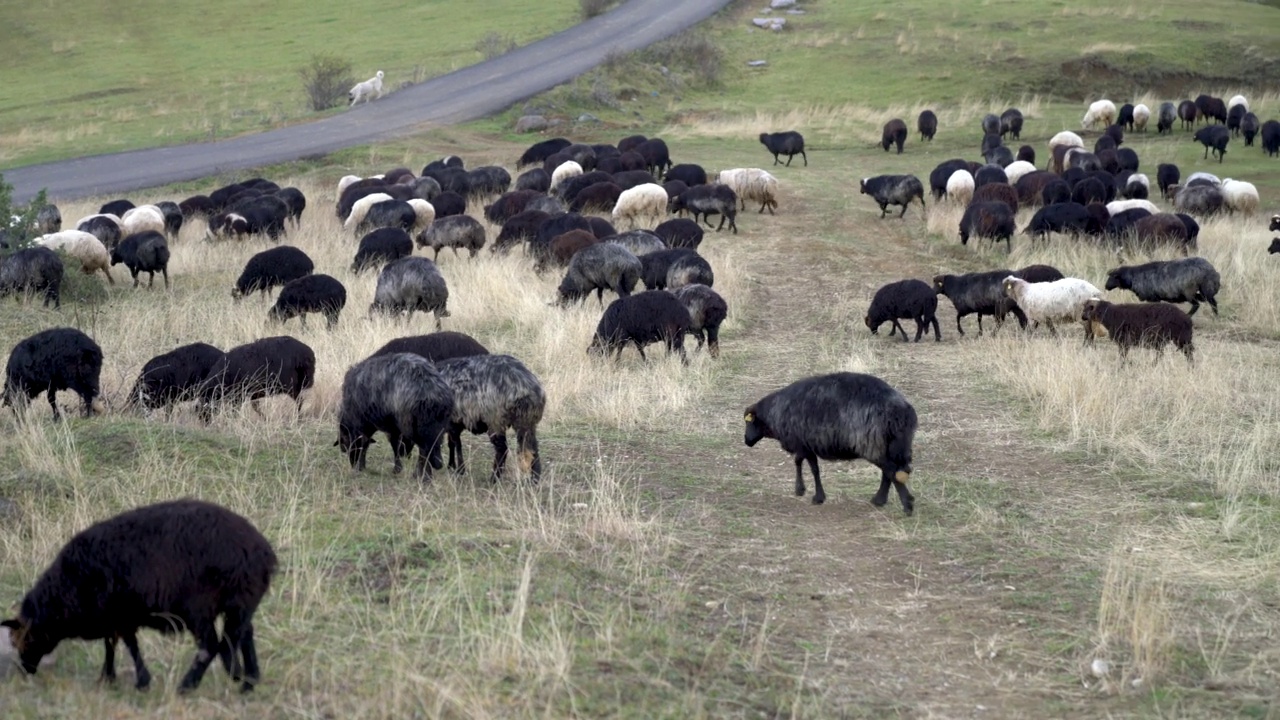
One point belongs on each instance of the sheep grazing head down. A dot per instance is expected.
(28, 643)
(355, 445)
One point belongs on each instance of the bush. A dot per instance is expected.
(692, 54)
(326, 80)
(492, 45)
(592, 8)
(17, 225)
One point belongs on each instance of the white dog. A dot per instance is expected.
(365, 90)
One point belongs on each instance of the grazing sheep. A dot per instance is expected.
(359, 209)
(141, 219)
(509, 205)
(1167, 174)
(752, 184)
(1237, 100)
(104, 227)
(1161, 229)
(167, 566)
(116, 207)
(540, 151)
(1138, 325)
(647, 201)
(1060, 300)
(492, 393)
(1271, 137)
(688, 269)
(647, 317)
(1201, 200)
(82, 246)
(49, 219)
(630, 142)
(32, 270)
(1101, 111)
(1275, 223)
(628, 179)
(1274, 248)
(606, 266)
(841, 416)
(1026, 153)
(990, 141)
(1141, 116)
(536, 179)
(1203, 178)
(1234, 116)
(276, 267)
(980, 294)
(540, 246)
(569, 189)
(279, 365)
(1212, 107)
(488, 180)
(519, 229)
(707, 311)
(960, 187)
(905, 299)
(789, 143)
(408, 284)
(172, 218)
(402, 395)
(366, 90)
(1215, 138)
(942, 173)
(1014, 171)
(392, 214)
(435, 346)
(893, 133)
(174, 377)
(1055, 192)
(563, 172)
(144, 252)
(927, 124)
(643, 242)
(988, 174)
(1116, 207)
(599, 197)
(49, 361)
(1032, 274)
(1125, 222)
(708, 200)
(449, 204)
(996, 192)
(564, 247)
(1066, 138)
(1091, 190)
(310, 294)
(1189, 280)
(679, 232)
(889, 190)
(1193, 228)
(687, 173)
(991, 220)
(1011, 123)
(1067, 217)
(1249, 126)
(1240, 196)
(657, 157)
(454, 231)
(1137, 187)
(1187, 113)
(1168, 113)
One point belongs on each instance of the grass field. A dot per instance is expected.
(93, 79)
(1069, 508)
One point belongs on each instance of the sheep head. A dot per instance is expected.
(756, 428)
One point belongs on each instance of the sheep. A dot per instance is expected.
(359, 209)
(1240, 196)
(789, 143)
(1068, 217)
(144, 252)
(989, 174)
(518, 229)
(1238, 100)
(708, 200)
(927, 125)
(1214, 138)
(555, 226)
(1274, 248)
(905, 299)
(599, 197)
(536, 179)
(1271, 137)
(1066, 138)
(1116, 207)
(657, 157)
(689, 174)
(435, 347)
(104, 227)
(1203, 178)
(310, 294)
(1139, 325)
(563, 172)
(488, 180)
(752, 184)
(678, 232)
(408, 284)
(1101, 111)
(279, 365)
(1055, 192)
(142, 219)
(82, 246)
(1017, 169)
(1125, 222)
(643, 242)
(1249, 126)
(1234, 116)
(991, 124)
(707, 311)
(1187, 112)
(32, 270)
(392, 213)
(1167, 114)
(564, 247)
(1193, 228)
(999, 156)
(492, 393)
(173, 377)
(1137, 187)
(647, 201)
(630, 142)
(509, 205)
(607, 266)
(172, 565)
(960, 187)
(366, 90)
(942, 173)
(1212, 107)
(627, 179)
(841, 416)
(990, 141)
(455, 231)
(172, 218)
(272, 268)
(1090, 190)
(1141, 116)
(977, 293)
(49, 361)
(1189, 280)
(893, 133)
(889, 190)
(1275, 223)
(1060, 300)
(1163, 229)
(1011, 122)
(542, 150)
(992, 220)
(569, 189)
(647, 317)
(116, 207)
(1202, 200)
(689, 269)
(1167, 174)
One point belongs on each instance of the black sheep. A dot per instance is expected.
(889, 190)
(1133, 325)
(1125, 118)
(564, 247)
(167, 566)
(1167, 114)
(104, 228)
(708, 200)
(1090, 190)
(628, 179)
(174, 377)
(689, 270)
(454, 231)
(644, 318)
(435, 346)
(842, 416)
(519, 229)
(1115, 132)
(1026, 153)
(116, 207)
(789, 143)
(1011, 123)
(990, 142)
(380, 247)
(537, 179)
(1167, 174)
(639, 242)
(402, 395)
(53, 360)
(1068, 217)
(583, 154)
(488, 180)
(905, 299)
(310, 294)
(509, 205)
(988, 174)
(893, 133)
(630, 142)
(553, 227)
(272, 268)
(452, 180)
(449, 204)
(1249, 126)
(1056, 192)
(1274, 248)
(657, 157)
(978, 293)
(408, 284)
(600, 227)
(991, 124)
(680, 233)
(942, 173)
(1193, 228)
(388, 214)
(1212, 108)
(144, 252)
(1000, 156)
(1122, 223)
(654, 266)
(32, 270)
(172, 218)
(631, 160)
(200, 205)
(597, 197)
(568, 189)
(1162, 229)
(927, 124)
(606, 266)
(1127, 159)
(492, 393)
(991, 220)
(1215, 138)
(1189, 280)
(279, 365)
(707, 311)
(687, 173)
(295, 201)
(1234, 116)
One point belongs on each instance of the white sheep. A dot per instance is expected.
(346, 182)
(425, 212)
(960, 187)
(1017, 169)
(752, 184)
(1115, 207)
(564, 171)
(365, 90)
(141, 219)
(1141, 115)
(1240, 196)
(1067, 138)
(1238, 100)
(1061, 300)
(361, 208)
(1101, 111)
(648, 200)
(82, 246)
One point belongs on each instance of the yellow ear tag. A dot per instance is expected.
(749, 417)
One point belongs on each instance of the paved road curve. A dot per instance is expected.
(462, 95)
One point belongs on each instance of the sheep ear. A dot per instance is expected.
(749, 417)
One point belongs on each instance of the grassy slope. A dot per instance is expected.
(91, 78)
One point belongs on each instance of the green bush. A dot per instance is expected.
(326, 79)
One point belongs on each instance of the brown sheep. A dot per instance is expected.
(1130, 325)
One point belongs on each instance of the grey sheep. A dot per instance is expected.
(708, 200)
(408, 284)
(1189, 280)
(606, 266)
(889, 190)
(707, 311)
(32, 270)
(655, 266)
(454, 231)
(688, 270)
(639, 242)
(492, 393)
(1201, 200)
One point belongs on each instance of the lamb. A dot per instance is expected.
(647, 201)
(1061, 300)
(491, 394)
(174, 377)
(1138, 325)
(141, 219)
(1167, 174)
(1011, 122)
(643, 242)
(841, 416)
(1240, 196)
(310, 294)
(678, 232)
(32, 270)
(1189, 280)
(167, 566)
(367, 90)
(905, 299)
(380, 247)
(647, 317)
(279, 365)
(978, 293)
(53, 360)
(1101, 111)
(82, 246)
(707, 311)
(144, 252)
(889, 190)
(607, 266)
(402, 395)
(408, 284)
(927, 124)
(789, 143)
(1141, 116)
(992, 220)
(893, 133)
(454, 231)
(752, 184)
(708, 200)
(1167, 115)
(960, 187)
(1215, 138)
(435, 347)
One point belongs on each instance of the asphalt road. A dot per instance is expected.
(465, 94)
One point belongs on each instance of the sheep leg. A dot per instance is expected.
(884, 210)
(903, 214)
(530, 461)
(141, 674)
(1052, 331)
(905, 497)
(108, 659)
(107, 272)
(399, 449)
(937, 331)
(499, 455)
(799, 475)
(639, 348)
(252, 674)
(229, 648)
(53, 403)
(922, 324)
(733, 224)
(959, 327)
(806, 158)
(454, 442)
(897, 328)
(1213, 305)
(882, 495)
(789, 159)
(207, 643)
(1195, 305)
(819, 496)
(134, 273)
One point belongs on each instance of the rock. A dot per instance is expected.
(795, 11)
(587, 117)
(531, 123)
(757, 63)
(774, 24)
(778, 4)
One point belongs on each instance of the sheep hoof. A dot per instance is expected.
(818, 499)
(879, 500)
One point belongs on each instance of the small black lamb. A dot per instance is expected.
(322, 294)
(680, 233)
(1167, 174)
(643, 318)
(978, 293)
(1189, 280)
(146, 252)
(842, 416)
(174, 377)
(893, 133)
(1140, 325)
(905, 299)
(279, 365)
(53, 360)
(889, 190)
(381, 247)
(435, 346)
(708, 311)
(606, 266)
(32, 270)
(492, 393)
(789, 143)
(1274, 248)
(167, 566)
(270, 269)
(408, 284)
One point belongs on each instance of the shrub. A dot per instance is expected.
(692, 54)
(592, 8)
(493, 44)
(17, 224)
(326, 79)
